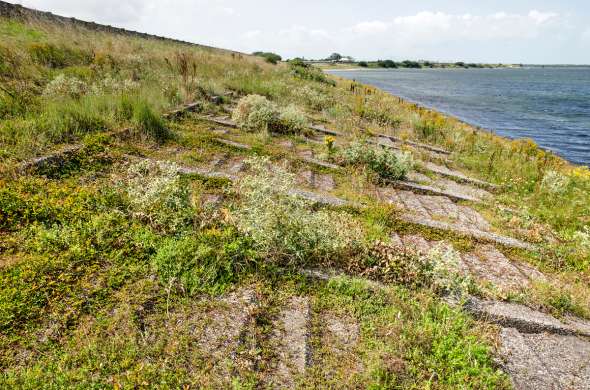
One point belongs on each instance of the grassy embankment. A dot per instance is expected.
(100, 257)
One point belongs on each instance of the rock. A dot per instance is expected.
(545, 361)
(428, 190)
(217, 100)
(233, 144)
(319, 198)
(415, 144)
(526, 320)
(291, 339)
(456, 175)
(320, 163)
(221, 121)
(322, 129)
(316, 181)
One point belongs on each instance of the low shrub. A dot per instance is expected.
(386, 164)
(271, 58)
(157, 196)
(291, 120)
(436, 269)
(555, 182)
(255, 112)
(314, 99)
(304, 71)
(113, 86)
(381, 118)
(283, 227)
(62, 86)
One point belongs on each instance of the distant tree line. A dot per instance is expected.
(390, 64)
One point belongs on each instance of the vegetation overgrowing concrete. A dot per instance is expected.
(175, 216)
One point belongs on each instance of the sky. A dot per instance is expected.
(492, 31)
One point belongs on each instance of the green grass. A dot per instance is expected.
(110, 262)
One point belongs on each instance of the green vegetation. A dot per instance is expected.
(117, 257)
(385, 164)
(272, 58)
(255, 113)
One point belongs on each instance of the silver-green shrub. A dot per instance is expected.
(555, 182)
(63, 86)
(386, 164)
(284, 227)
(444, 263)
(291, 120)
(157, 195)
(255, 112)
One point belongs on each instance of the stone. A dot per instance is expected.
(322, 129)
(489, 264)
(316, 181)
(221, 121)
(211, 200)
(220, 131)
(327, 200)
(456, 175)
(545, 361)
(523, 318)
(233, 144)
(217, 100)
(415, 144)
(439, 212)
(54, 160)
(450, 188)
(486, 263)
(476, 234)
(291, 339)
(287, 144)
(428, 190)
(319, 163)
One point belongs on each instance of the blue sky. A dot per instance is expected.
(517, 31)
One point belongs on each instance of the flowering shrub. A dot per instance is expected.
(283, 226)
(62, 86)
(111, 85)
(314, 99)
(583, 237)
(385, 163)
(554, 182)
(436, 269)
(291, 120)
(157, 195)
(443, 263)
(255, 112)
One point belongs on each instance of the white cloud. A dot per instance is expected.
(436, 27)
(106, 11)
(370, 27)
(542, 17)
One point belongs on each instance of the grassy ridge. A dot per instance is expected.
(104, 258)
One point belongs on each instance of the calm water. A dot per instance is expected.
(549, 105)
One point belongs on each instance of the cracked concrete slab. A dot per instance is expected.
(291, 339)
(545, 361)
(314, 180)
(523, 318)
